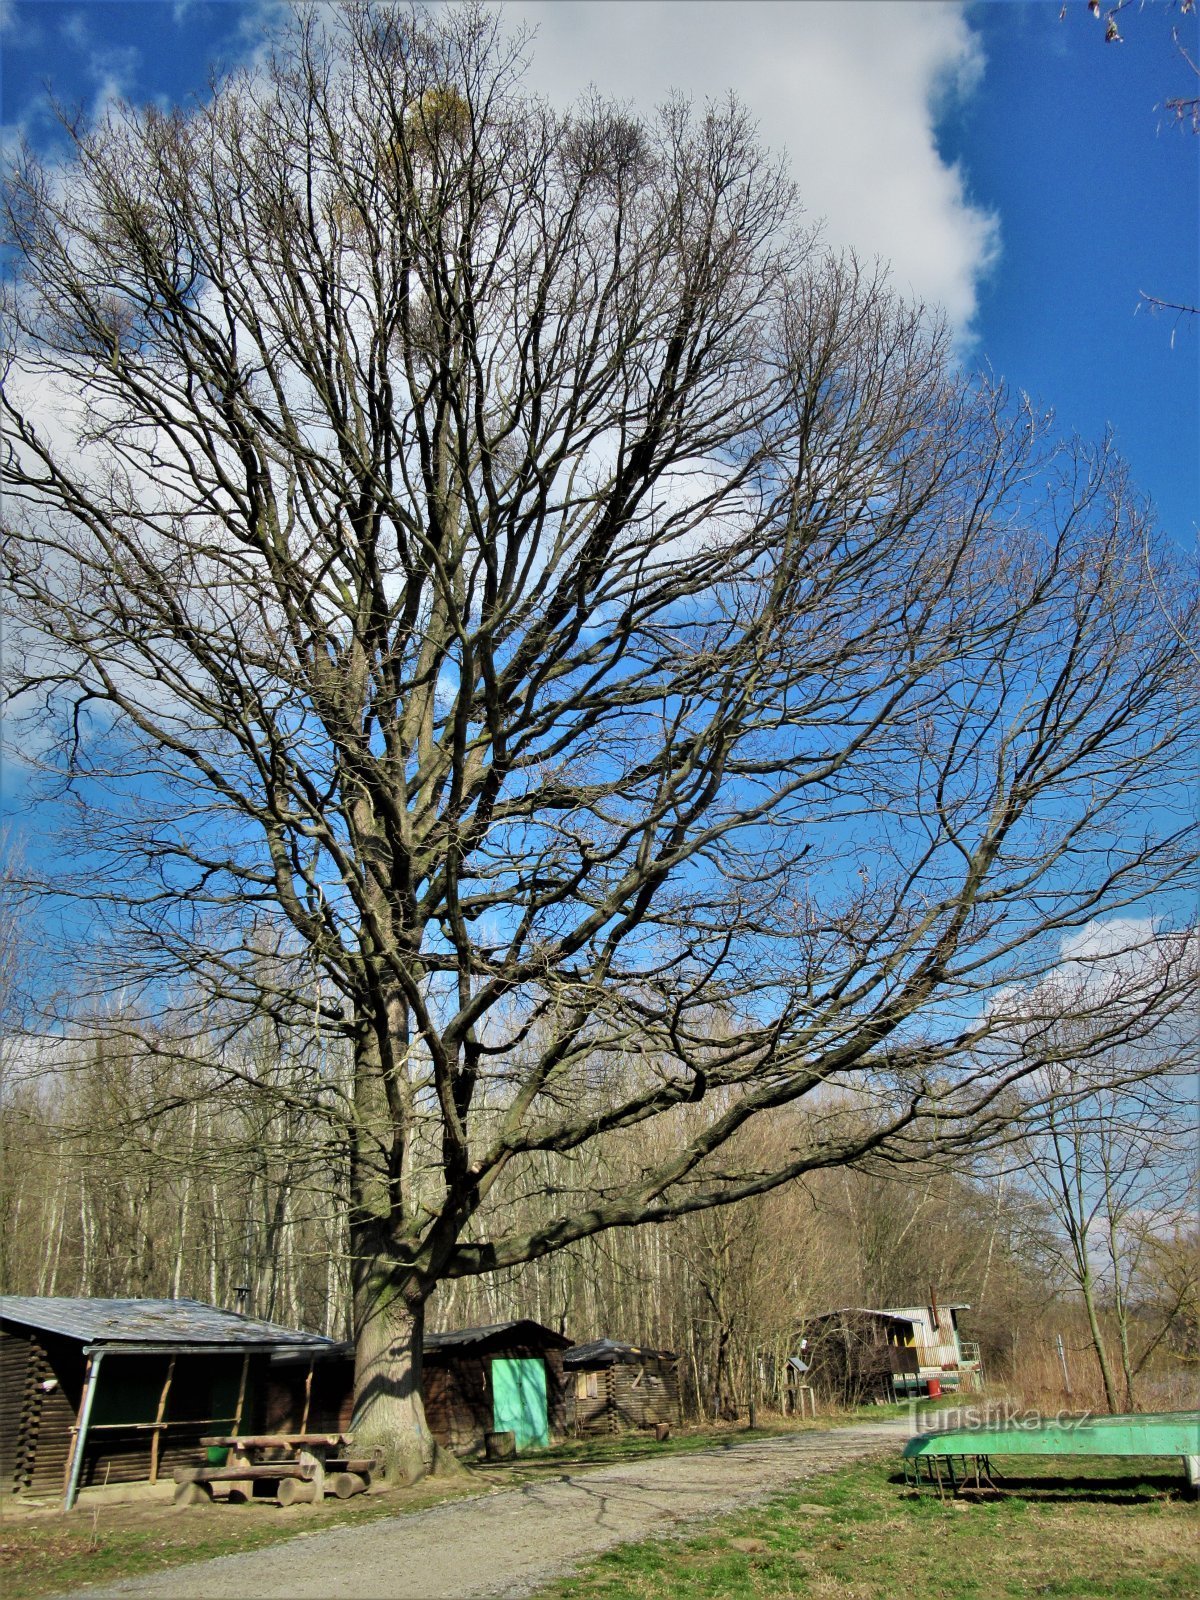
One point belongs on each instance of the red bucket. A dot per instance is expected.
(935, 1388)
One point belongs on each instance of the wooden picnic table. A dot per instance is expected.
(303, 1466)
(278, 1441)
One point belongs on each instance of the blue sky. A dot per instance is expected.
(1013, 167)
(1097, 195)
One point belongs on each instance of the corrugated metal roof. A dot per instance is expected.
(599, 1352)
(861, 1311)
(920, 1310)
(136, 1322)
(523, 1327)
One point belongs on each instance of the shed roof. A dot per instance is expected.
(149, 1322)
(607, 1352)
(863, 1311)
(920, 1310)
(523, 1329)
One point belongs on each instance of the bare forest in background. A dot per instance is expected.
(131, 1172)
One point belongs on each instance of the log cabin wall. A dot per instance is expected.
(458, 1390)
(41, 1384)
(36, 1414)
(853, 1355)
(458, 1403)
(330, 1400)
(623, 1394)
(169, 1371)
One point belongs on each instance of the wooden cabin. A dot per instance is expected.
(121, 1391)
(613, 1386)
(504, 1378)
(857, 1354)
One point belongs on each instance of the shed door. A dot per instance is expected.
(519, 1400)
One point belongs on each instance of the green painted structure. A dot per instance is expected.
(1151, 1433)
(519, 1401)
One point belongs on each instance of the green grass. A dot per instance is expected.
(1108, 1531)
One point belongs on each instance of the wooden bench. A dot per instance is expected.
(303, 1467)
(195, 1483)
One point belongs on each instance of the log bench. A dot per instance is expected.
(195, 1483)
(318, 1464)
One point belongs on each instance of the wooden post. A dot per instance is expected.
(315, 1461)
(1062, 1356)
(156, 1436)
(297, 1491)
(307, 1398)
(237, 1415)
(345, 1484)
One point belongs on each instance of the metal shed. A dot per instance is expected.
(117, 1391)
(942, 1353)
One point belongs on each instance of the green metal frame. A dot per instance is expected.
(1161, 1433)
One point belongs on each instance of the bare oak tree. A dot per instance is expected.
(498, 589)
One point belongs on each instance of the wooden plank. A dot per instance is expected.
(277, 1441)
(367, 1464)
(316, 1462)
(261, 1469)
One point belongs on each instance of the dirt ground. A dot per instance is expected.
(513, 1541)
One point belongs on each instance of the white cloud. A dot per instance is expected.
(1106, 941)
(850, 92)
(1126, 956)
(1134, 965)
(18, 28)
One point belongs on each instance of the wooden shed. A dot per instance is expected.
(507, 1377)
(612, 1386)
(118, 1391)
(858, 1354)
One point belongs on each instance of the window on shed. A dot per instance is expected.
(587, 1385)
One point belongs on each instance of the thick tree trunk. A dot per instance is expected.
(388, 1406)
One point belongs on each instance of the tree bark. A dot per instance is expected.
(388, 1408)
(1093, 1319)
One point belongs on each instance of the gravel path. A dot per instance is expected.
(513, 1541)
